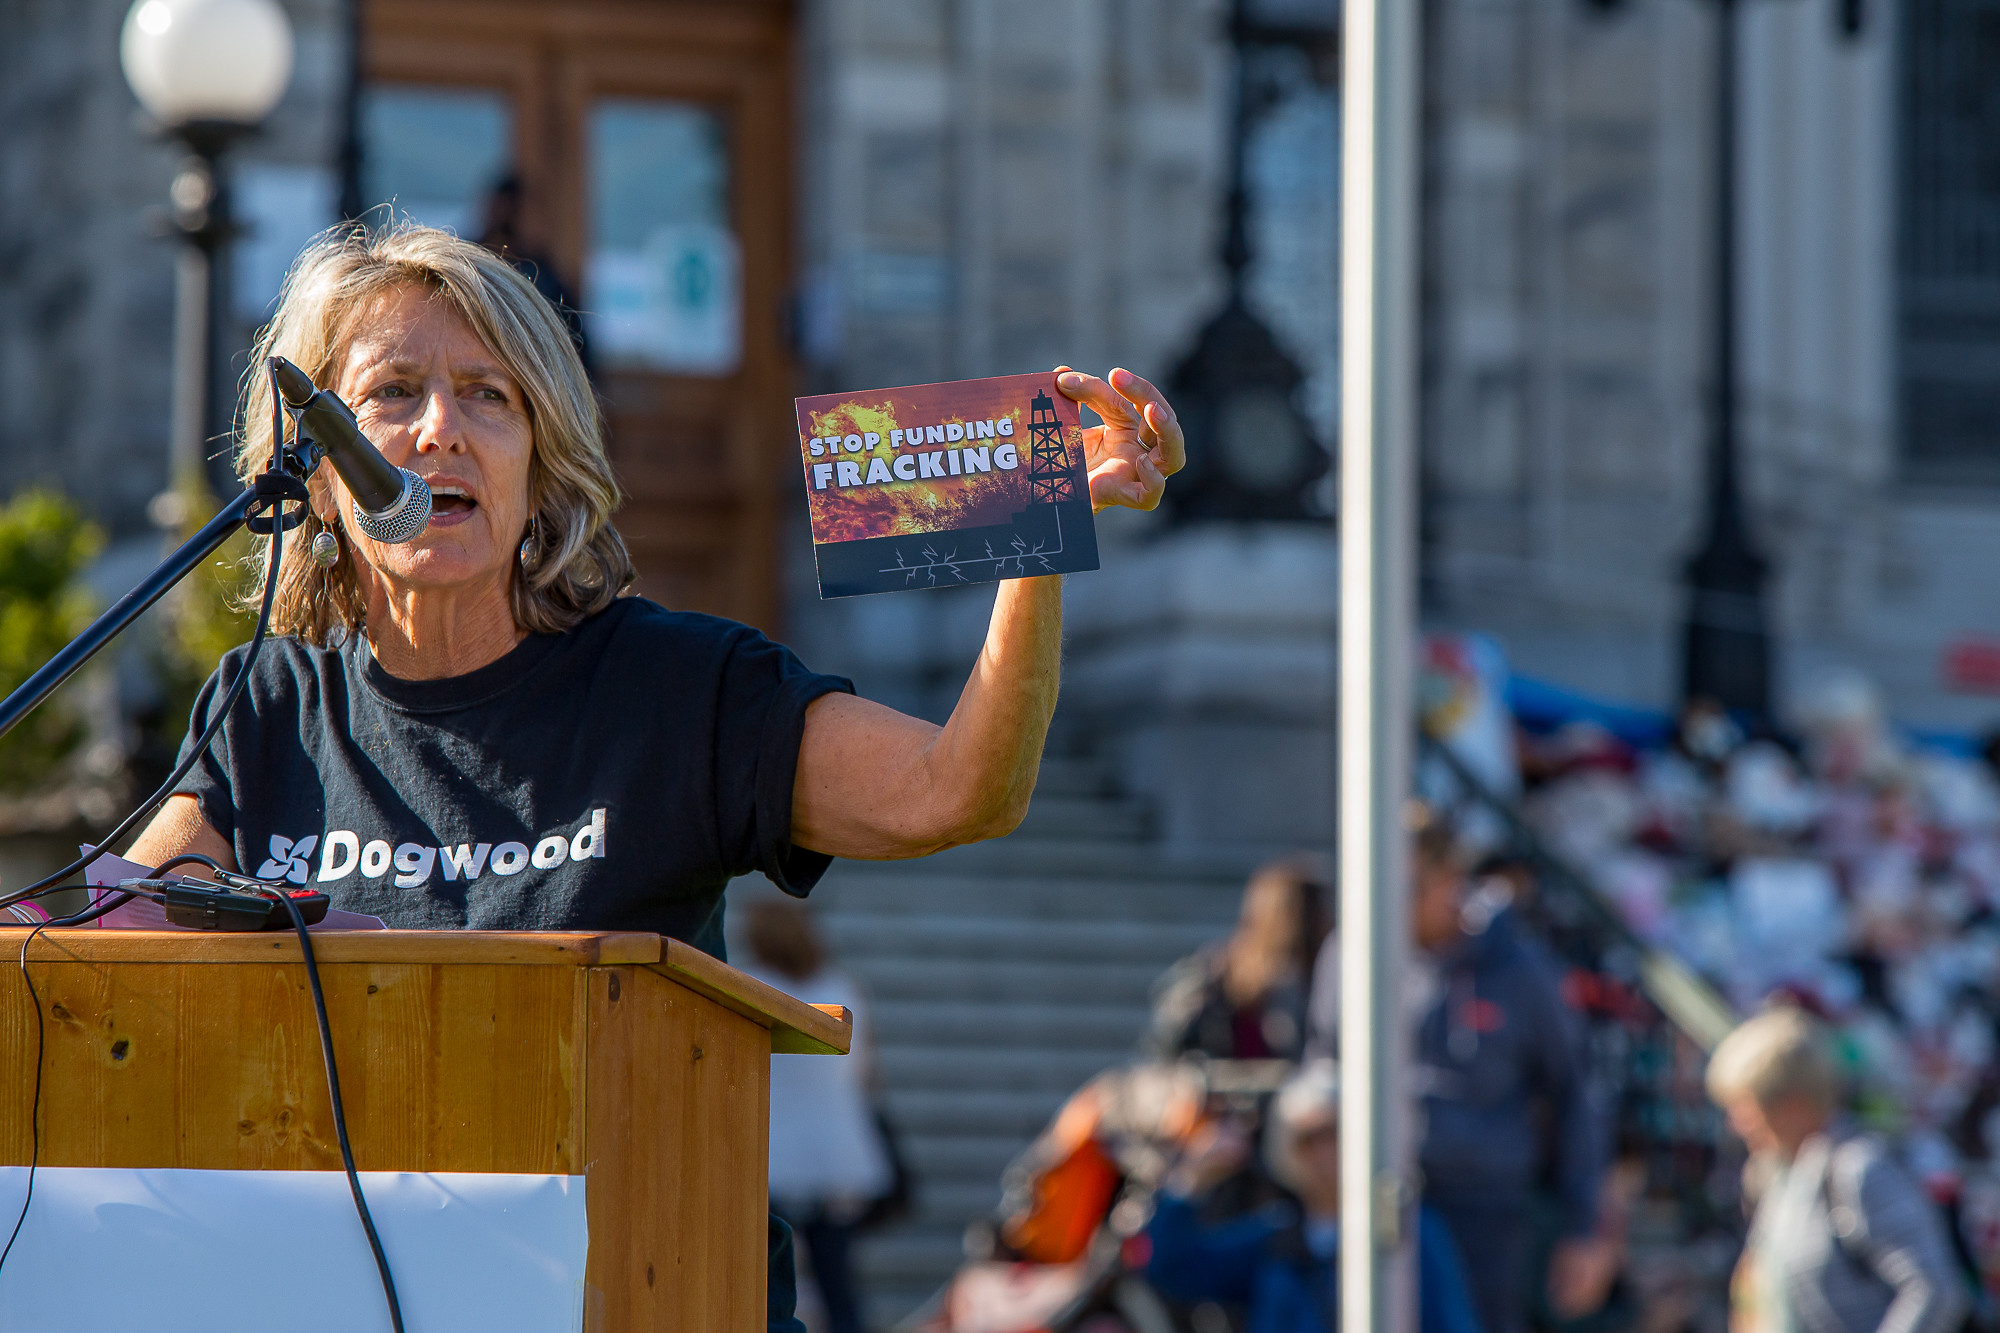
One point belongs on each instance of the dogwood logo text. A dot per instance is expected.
(343, 853)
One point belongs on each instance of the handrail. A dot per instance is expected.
(1689, 1003)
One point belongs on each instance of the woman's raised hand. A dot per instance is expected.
(1139, 445)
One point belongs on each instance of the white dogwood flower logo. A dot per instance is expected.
(288, 858)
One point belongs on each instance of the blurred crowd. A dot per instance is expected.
(1844, 869)
(1515, 1141)
(1585, 1166)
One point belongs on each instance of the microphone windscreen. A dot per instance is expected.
(402, 521)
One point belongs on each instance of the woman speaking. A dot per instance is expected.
(473, 729)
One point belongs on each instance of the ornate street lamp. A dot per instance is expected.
(1251, 451)
(208, 72)
(1725, 634)
(1726, 641)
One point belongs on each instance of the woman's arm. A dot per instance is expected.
(874, 784)
(177, 828)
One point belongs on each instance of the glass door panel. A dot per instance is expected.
(663, 274)
(435, 153)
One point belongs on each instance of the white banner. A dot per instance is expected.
(253, 1251)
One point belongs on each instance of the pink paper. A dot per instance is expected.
(145, 914)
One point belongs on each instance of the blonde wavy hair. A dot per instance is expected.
(579, 563)
(1781, 1052)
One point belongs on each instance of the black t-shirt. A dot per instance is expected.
(614, 777)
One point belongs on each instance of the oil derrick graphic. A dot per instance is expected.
(1049, 478)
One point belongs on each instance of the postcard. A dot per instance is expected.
(937, 485)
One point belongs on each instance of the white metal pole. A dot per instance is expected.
(1379, 227)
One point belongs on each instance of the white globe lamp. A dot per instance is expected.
(208, 72)
(207, 61)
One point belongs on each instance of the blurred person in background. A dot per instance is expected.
(500, 232)
(1843, 1239)
(1245, 998)
(1605, 1298)
(1508, 1115)
(1282, 1263)
(831, 1163)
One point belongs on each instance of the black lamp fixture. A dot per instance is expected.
(207, 72)
(1725, 634)
(347, 159)
(1251, 450)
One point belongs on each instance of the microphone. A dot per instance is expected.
(391, 504)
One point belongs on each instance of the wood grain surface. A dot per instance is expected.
(458, 1051)
(443, 1067)
(677, 1183)
(797, 1028)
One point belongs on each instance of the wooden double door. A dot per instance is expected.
(641, 152)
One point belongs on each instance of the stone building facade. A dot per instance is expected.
(1568, 289)
(992, 186)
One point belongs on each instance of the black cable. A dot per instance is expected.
(50, 883)
(186, 858)
(35, 1105)
(112, 902)
(340, 1113)
(116, 900)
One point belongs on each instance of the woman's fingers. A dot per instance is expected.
(1130, 400)
(1098, 396)
(1137, 390)
(1166, 428)
(1131, 483)
(1140, 443)
(1162, 429)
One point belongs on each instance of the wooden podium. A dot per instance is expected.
(632, 1060)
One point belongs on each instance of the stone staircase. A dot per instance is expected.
(1002, 977)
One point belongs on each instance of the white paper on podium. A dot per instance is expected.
(254, 1251)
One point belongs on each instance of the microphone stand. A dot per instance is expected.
(283, 480)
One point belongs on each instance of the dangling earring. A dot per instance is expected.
(529, 546)
(325, 549)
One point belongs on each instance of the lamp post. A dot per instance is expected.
(1725, 635)
(208, 72)
(347, 162)
(1726, 640)
(1251, 451)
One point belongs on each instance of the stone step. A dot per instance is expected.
(1000, 978)
(959, 1067)
(902, 1267)
(889, 1306)
(927, 892)
(1009, 980)
(858, 934)
(1017, 1112)
(949, 1204)
(1111, 1030)
(906, 1251)
(1082, 857)
(1073, 775)
(1053, 815)
(960, 1157)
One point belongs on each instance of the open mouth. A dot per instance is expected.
(451, 502)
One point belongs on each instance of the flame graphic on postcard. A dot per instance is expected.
(933, 457)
